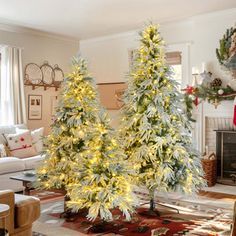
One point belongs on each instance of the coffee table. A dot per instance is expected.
(26, 180)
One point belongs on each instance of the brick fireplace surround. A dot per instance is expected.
(210, 119)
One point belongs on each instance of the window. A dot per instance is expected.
(174, 60)
(177, 57)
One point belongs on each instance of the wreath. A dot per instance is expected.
(226, 53)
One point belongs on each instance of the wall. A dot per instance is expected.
(108, 56)
(39, 48)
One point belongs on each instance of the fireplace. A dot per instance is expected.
(226, 156)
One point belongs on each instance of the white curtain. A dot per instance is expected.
(12, 96)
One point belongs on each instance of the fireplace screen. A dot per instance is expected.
(226, 155)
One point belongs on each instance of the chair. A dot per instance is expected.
(24, 210)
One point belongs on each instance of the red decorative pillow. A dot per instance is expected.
(20, 145)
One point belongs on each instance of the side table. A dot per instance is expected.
(4, 212)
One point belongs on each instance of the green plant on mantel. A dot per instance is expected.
(226, 53)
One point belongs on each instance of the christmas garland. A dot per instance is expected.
(226, 53)
(213, 95)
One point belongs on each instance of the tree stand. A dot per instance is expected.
(68, 215)
(152, 211)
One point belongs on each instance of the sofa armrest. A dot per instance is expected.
(7, 197)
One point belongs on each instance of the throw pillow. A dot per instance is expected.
(37, 136)
(21, 145)
(2, 151)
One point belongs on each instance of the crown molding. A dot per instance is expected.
(26, 30)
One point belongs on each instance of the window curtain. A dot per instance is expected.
(12, 96)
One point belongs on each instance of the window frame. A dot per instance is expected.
(184, 48)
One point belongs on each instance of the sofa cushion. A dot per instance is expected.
(27, 210)
(9, 129)
(21, 145)
(37, 138)
(33, 162)
(11, 164)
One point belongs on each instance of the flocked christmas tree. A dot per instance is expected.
(82, 154)
(77, 109)
(104, 180)
(156, 131)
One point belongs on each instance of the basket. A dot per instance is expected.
(209, 168)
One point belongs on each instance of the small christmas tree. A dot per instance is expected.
(104, 180)
(77, 110)
(156, 132)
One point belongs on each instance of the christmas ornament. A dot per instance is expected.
(206, 78)
(217, 82)
(220, 91)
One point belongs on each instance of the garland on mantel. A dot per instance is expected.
(213, 95)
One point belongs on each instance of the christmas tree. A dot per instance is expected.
(77, 109)
(104, 181)
(82, 155)
(157, 133)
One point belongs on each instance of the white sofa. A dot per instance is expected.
(10, 166)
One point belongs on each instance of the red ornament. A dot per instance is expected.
(22, 139)
(24, 146)
(189, 90)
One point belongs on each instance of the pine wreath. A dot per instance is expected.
(226, 53)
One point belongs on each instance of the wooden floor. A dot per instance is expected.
(225, 196)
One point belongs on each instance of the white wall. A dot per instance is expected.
(108, 56)
(37, 49)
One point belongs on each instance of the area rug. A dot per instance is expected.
(38, 234)
(47, 195)
(143, 225)
(198, 216)
(186, 222)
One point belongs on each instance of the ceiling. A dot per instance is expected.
(83, 19)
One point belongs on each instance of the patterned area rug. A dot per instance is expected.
(192, 219)
(47, 195)
(38, 234)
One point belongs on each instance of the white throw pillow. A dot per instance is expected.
(20, 144)
(2, 151)
(37, 136)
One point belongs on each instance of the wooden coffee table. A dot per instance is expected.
(27, 181)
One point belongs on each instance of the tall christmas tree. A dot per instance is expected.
(82, 153)
(156, 131)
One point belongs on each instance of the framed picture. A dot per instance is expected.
(111, 94)
(35, 107)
